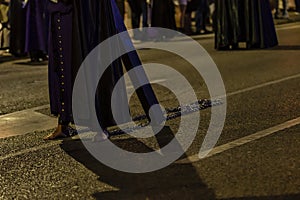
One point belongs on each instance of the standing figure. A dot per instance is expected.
(36, 30)
(285, 13)
(76, 28)
(182, 7)
(4, 25)
(163, 14)
(202, 16)
(60, 66)
(17, 20)
(248, 21)
(138, 9)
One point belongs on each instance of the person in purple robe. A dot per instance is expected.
(36, 30)
(76, 28)
(60, 65)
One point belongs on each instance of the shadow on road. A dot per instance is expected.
(176, 181)
(30, 63)
(4, 59)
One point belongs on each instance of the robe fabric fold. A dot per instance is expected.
(163, 14)
(247, 21)
(17, 20)
(36, 26)
(77, 27)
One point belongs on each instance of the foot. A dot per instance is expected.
(101, 136)
(58, 133)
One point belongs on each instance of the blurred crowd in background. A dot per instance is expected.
(24, 23)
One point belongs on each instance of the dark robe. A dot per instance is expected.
(96, 18)
(60, 66)
(76, 29)
(36, 26)
(163, 14)
(247, 21)
(17, 20)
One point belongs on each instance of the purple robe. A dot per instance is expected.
(60, 62)
(75, 29)
(36, 26)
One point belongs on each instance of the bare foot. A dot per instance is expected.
(58, 133)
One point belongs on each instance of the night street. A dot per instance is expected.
(256, 157)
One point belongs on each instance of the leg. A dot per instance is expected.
(285, 13)
(182, 15)
(276, 9)
(144, 13)
(61, 131)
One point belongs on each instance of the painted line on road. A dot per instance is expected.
(288, 27)
(262, 85)
(240, 141)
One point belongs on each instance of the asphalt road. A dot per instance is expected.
(257, 155)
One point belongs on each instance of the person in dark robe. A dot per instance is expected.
(17, 20)
(36, 30)
(163, 14)
(60, 65)
(76, 28)
(248, 21)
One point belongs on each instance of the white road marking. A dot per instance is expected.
(288, 27)
(241, 141)
(263, 85)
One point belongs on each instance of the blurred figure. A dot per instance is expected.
(297, 4)
(138, 9)
(285, 13)
(191, 7)
(201, 7)
(36, 30)
(202, 16)
(17, 20)
(163, 14)
(4, 25)
(182, 7)
(248, 21)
